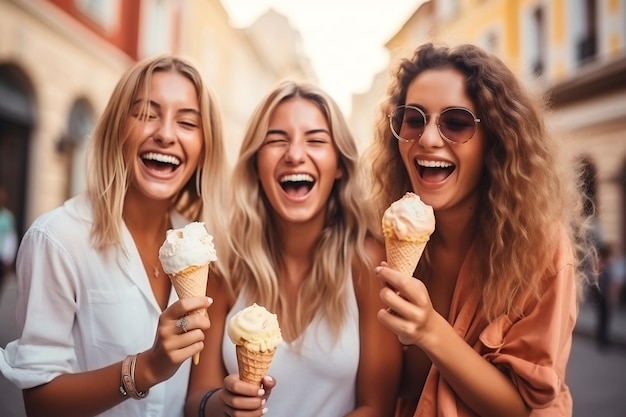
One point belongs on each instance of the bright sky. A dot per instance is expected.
(344, 39)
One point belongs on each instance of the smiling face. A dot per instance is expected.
(164, 140)
(444, 175)
(298, 162)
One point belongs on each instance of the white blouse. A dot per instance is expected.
(79, 310)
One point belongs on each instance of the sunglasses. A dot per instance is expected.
(455, 124)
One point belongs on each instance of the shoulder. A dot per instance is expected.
(67, 223)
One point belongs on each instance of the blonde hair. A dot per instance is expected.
(526, 188)
(108, 172)
(255, 242)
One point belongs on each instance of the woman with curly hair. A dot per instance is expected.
(487, 325)
(303, 246)
(99, 322)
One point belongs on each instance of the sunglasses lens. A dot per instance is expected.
(457, 125)
(408, 123)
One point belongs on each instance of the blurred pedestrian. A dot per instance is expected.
(488, 322)
(602, 295)
(8, 238)
(100, 329)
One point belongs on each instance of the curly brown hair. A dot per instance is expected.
(526, 190)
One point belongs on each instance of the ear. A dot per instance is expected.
(339, 173)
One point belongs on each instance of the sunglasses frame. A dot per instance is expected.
(426, 119)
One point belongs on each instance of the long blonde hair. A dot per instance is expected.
(526, 189)
(108, 173)
(254, 238)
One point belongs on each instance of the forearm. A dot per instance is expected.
(87, 393)
(483, 387)
(74, 395)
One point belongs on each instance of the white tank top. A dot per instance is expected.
(320, 378)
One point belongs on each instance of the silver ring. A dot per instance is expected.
(182, 323)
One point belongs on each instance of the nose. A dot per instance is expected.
(165, 133)
(430, 137)
(295, 152)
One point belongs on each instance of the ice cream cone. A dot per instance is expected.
(404, 255)
(253, 365)
(192, 282)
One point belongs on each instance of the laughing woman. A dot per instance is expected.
(97, 317)
(302, 248)
(488, 322)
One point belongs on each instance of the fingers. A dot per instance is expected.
(242, 398)
(186, 305)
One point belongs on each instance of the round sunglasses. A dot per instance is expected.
(455, 124)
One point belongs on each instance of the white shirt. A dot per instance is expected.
(79, 310)
(320, 378)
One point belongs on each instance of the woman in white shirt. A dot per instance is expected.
(99, 324)
(305, 249)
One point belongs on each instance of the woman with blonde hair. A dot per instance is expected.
(488, 322)
(303, 247)
(100, 329)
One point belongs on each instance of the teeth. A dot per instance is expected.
(297, 178)
(166, 159)
(434, 164)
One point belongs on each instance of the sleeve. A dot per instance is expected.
(534, 349)
(45, 313)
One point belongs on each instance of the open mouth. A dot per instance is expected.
(297, 185)
(160, 162)
(434, 171)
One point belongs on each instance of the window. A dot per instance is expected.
(538, 33)
(586, 44)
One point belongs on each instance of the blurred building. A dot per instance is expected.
(572, 50)
(60, 59)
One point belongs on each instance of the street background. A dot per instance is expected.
(597, 378)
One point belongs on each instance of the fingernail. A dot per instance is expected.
(210, 300)
(261, 392)
(264, 411)
(263, 401)
(378, 269)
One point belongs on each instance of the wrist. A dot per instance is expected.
(205, 399)
(128, 386)
(144, 377)
(431, 337)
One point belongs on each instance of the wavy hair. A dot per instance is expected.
(526, 190)
(257, 255)
(108, 174)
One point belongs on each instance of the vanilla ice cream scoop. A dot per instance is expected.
(255, 328)
(409, 219)
(187, 247)
(407, 225)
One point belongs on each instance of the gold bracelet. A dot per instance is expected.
(127, 386)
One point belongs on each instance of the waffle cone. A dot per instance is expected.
(253, 365)
(404, 255)
(192, 282)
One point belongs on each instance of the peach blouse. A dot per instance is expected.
(532, 349)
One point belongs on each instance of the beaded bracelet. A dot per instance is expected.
(206, 397)
(127, 386)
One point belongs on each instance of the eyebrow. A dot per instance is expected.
(308, 132)
(152, 103)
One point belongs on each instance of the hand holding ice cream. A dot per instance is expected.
(256, 335)
(185, 257)
(407, 225)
